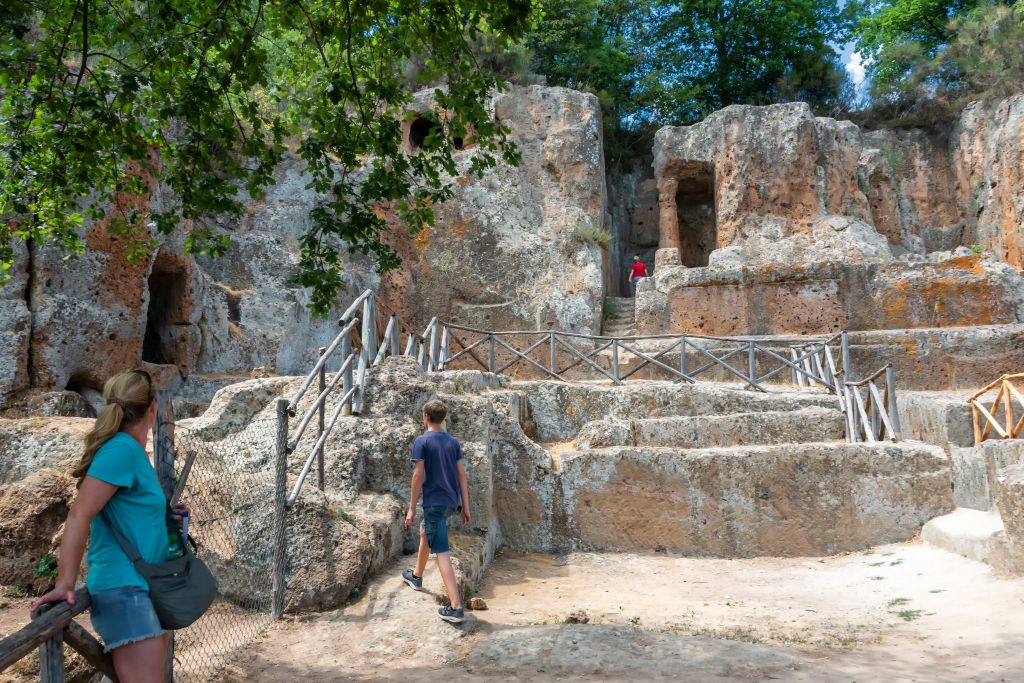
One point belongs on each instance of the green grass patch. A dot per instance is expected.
(910, 614)
(896, 602)
(592, 234)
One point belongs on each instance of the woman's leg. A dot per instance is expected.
(141, 662)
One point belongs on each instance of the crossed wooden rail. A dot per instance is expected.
(52, 626)
(810, 362)
(1006, 395)
(872, 414)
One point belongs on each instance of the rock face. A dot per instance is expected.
(795, 224)
(777, 183)
(828, 297)
(507, 251)
(1011, 507)
(33, 511)
(808, 499)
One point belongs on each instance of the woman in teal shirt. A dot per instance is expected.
(115, 476)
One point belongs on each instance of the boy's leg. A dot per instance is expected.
(423, 555)
(444, 565)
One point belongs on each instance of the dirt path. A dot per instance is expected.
(904, 612)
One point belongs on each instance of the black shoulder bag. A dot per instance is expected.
(181, 589)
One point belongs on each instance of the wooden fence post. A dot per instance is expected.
(552, 352)
(322, 384)
(51, 659)
(752, 361)
(280, 493)
(615, 359)
(395, 333)
(890, 394)
(346, 378)
(163, 463)
(682, 355)
(845, 341)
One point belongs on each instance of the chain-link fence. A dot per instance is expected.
(230, 488)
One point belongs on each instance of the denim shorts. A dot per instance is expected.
(435, 526)
(123, 615)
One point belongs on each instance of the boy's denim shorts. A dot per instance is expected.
(435, 526)
(123, 615)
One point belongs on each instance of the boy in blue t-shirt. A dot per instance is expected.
(440, 473)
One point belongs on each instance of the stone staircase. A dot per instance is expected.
(712, 470)
(620, 316)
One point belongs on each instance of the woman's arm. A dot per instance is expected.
(91, 498)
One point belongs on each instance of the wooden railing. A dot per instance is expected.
(1006, 394)
(51, 627)
(872, 414)
(357, 353)
(808, 361)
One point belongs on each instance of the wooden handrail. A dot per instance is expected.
(53, 621)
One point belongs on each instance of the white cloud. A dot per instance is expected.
(855, 67)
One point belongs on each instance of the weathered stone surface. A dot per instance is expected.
(559, 411)
(829, 297)
(940, 418)
(774, 177)
(28, 445)
(940, 359)
(711, 431)
(15, 325)
(32, 511)
(975, 470)
(503, 255)
(1011, 508)
(806, 499)
(986, 148)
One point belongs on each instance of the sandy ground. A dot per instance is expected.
(903, 612)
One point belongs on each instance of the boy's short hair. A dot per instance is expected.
(435, 411)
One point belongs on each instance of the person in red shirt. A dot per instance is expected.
(637, 271)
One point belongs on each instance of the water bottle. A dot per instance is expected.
(174, 547)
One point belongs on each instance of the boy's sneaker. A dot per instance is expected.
(415, 582)
(452, 616)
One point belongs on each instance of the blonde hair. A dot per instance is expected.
(128, 396)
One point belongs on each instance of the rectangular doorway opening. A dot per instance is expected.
(695, 208)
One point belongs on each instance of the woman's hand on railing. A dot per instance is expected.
(58, 594)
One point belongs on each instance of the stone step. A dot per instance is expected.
(559, 410)
(971, 533)
(711, 431)
(783, 500)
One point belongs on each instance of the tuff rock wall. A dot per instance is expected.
(503, 254)
(773, 220)
(506, 252)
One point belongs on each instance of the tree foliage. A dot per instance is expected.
(657, 62)
(929, 58)
(204, 96)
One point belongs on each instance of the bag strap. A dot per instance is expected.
(131, 551)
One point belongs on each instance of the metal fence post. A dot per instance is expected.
(280, 484)
(322, 384)
(490, 354)
(845, 341)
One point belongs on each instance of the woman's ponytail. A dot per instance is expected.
(128, 397)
